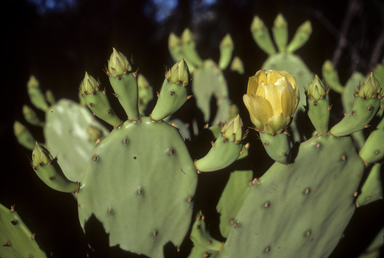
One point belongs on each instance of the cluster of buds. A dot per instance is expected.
(179, 73)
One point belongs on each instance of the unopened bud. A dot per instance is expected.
(118, 64)
(370, 88)
(232, 130)
(89, 84)
(179, 73)
(40, 155)
(317, 89)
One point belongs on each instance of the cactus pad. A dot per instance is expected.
(299, 210)
(16, 239)
(140, 179)
(67, 138)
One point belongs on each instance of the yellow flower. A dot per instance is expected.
(271, 100)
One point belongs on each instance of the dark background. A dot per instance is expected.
(58, 43)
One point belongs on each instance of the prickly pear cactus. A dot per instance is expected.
(286, 213)
(208, 79)
(70, 130)
(16, 239)
(140, 180)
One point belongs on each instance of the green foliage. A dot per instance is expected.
(141, 181)
(16, 239)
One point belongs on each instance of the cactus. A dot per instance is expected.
(208, 79)
(129, 182)
(15, 238)
(141, 183)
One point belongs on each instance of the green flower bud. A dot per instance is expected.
(94, 133)
(40, 155)
(50, 98)
(257, 24)
(317, 89)
(19, 128)
(32, 82)
(280, 22)
(232, 130)
(118, 64)
(237, 65)
(187, 36)
(227, 41)
(173, 41)
(306, 27)
(89, 85)
(179, 73)
(370, 88)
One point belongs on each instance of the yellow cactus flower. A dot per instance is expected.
(271, 99)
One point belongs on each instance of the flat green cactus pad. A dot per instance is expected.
(67, 137)
(208, 81)
(140, 183)
(16, 240)
(300, 209)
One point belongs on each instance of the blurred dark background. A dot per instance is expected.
(58, 40)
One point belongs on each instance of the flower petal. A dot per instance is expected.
(273, 94)
(278, 122)
(273, 76)
(252, 85)
(259, 109)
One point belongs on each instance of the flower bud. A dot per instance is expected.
(89, 85)
(370, 88)
(94, 133)
(118, 64)
(257, 24)
(232, 130)
(32, 82)
(40, 155)
(173, 41)
(317, 89)
(179, 73)
(280, 22)
(271, 99)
